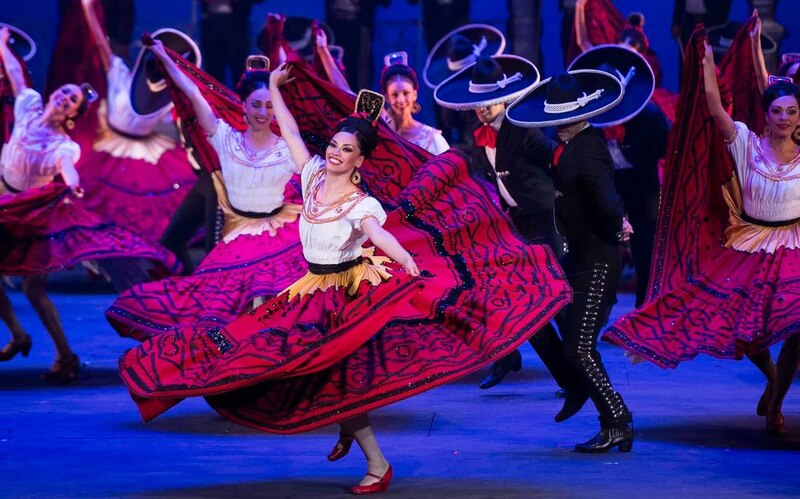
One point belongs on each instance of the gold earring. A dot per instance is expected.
(766, 131)
(355, 177)
(416, 108)
(796, 134)
(69, 124)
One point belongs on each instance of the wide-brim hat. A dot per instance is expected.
(721, 37)
(631, 69)
(530, 110)
(485, 40)
(148, 89)
(20, 42)
(463, 92)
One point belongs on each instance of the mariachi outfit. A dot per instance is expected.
(44, 227)
(515, 159)
(636, 136)
(357, 333)
(589, 215)
(728, 241)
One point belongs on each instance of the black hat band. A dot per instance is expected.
(470, 59)
(565, 107)
(482, 88)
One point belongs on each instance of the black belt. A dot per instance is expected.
(764, 223)
(255, 214)
(126, 134)
(332, 268)
(10, 188)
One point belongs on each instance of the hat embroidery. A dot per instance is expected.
(463, 63)
(565, 107)
(482, 88)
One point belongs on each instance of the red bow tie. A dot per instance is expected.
(486, 136)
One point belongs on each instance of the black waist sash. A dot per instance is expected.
(332, 268)
(764, 223)
(255, 214)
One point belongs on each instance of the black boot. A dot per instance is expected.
(615, 436)
(511, 362)
(574, 401)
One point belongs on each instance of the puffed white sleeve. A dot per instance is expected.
(737, 144)
(28, 101)
(439, 144)
(366, 208)
(70, 150)
(218, 135)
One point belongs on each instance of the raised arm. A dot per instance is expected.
(289, 129)
(762, 75)
(205, 115)
(98, 33)
(384, 240)
(581, 33)
(13, 68)
(331, 68)
(721, 118)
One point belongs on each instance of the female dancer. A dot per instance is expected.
(399, 85)
(349, 337)
(741, 298)
(260, 251)
(43, 229)
(134, 176)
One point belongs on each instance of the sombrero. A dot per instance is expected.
(461, 48)
(489, 81)
(566, 99)
(19, 41)
(631, 69)
(148, 89)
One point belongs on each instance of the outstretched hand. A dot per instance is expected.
(755, 33)
(321, 39)
(411, 267)
(281, 75)
(5, 34)
(708, 56)
(158, 49)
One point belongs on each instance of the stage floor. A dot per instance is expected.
(697, 434)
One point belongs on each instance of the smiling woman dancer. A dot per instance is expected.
(357, 332)
(260, 251)
(43, 225)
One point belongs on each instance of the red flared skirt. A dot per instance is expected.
(294, 365)
(134, 193)
(742, 304)
(48, 229)
(223, 287)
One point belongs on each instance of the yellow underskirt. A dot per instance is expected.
(371, 269)
(147, 149)
(237, 225)
(744, 236)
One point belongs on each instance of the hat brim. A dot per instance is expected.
(638, 90)
(436, 71)
(305, 45)
(721, 36)
(144, 99)
(528, 111)
(20, 42)
(454, 92)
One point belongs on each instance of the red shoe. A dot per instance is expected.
(382, 485)
(341, 448)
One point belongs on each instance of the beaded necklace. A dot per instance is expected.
(320, 213)
(771, 169)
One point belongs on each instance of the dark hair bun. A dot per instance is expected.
(398, 70)
(777, 90)
(252, 81)
(364, 130)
